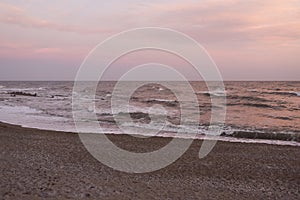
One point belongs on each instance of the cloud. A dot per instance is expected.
(217, 24)
(209, 21)
(235, 21)
(10, 14)
(28, 50)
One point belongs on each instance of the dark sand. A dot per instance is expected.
(39, 164)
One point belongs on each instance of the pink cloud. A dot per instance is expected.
(232, 20)
(10, 14)
(28, 50)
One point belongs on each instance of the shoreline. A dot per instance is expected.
(40, 163)
(237, 136)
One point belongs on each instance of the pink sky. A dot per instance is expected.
(248, 40)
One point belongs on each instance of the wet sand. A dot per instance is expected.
(38, 164)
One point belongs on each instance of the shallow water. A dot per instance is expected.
(252, 107)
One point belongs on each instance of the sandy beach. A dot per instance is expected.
(39, 164)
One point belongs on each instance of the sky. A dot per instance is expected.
(248, 40)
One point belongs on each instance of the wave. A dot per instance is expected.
(296, 93)
(256, 105)
(276, 92)
(170, 103)
(264, 135)
(247, 98)
(21, 89)
(140, 116)
(33, 118)
(200, 131)
(19, 109)
(279, 117)
(165, 128)
(59, 97)
(283, 93)
(216, 93)
(156, 87)
(137, 115)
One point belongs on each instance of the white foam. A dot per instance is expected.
(297, 93)
(33, 118)
(21, 89)
(218, 93)
(18, 110)
(253, 90)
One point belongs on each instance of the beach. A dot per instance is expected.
(142, 100)
(39, 164)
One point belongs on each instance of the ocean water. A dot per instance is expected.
(259, 112)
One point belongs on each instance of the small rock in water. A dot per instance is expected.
(22, 93)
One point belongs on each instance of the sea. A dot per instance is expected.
(256, 112)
